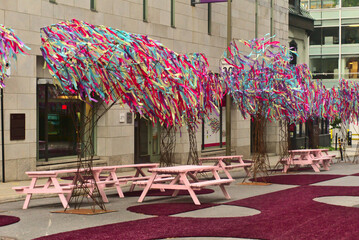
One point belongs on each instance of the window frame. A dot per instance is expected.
(173, 18)
(209, 23)
(93, 5)
(145, 11)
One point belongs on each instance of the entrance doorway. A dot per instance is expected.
(147, 141)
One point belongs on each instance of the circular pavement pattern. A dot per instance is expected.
(221, 211)
(345, 201)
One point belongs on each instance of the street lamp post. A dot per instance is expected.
(228, 97)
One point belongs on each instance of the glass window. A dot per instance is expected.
(325, 67)
(173, 13)
(59, 117)
(315, 4)
(351, 67)
(304, 4)
(330, 4)
(145, 9)
(350, 3)
(93, 5)
(350, 34)
(325, 36)
(323, 126)
(214, 129)
(293, 46)
(330, 35)
(209, 19)
(316, 37)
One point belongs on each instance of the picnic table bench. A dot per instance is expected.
(181, 181)
(226, 163)
(312, 157)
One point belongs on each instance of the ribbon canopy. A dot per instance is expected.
(10, 45)
(347, 103)
(264, 83)
(154, 81)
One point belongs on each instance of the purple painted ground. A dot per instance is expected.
(157, 192)
(7, 220)
(298, 179)
(287, 214)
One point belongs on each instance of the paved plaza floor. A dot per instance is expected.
(39, 220)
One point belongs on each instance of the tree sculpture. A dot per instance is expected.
(265, 86)
(10, 46)
(209, 90)
(348, 108)
(100, 63)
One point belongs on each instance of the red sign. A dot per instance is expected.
(211, 1)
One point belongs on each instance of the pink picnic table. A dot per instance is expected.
(181, 180)
(322, 153)
(111, 179)
(310, 157)
(226, 163)
(64, 190)
(52, 186)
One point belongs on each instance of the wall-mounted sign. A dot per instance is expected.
(193, 2)
(17, 126)
(129, 117)
(122, 117)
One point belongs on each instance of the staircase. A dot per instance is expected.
(66, 164)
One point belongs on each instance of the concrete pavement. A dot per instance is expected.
(39, 220)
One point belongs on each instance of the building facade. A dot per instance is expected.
(50, 138)
(333, 50)
(334, 42)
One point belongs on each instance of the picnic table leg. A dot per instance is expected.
(175, 180)
(138, 172)
(117, 184)
(224, 191)
(315, 167)
(326, 165)
(222, 165)
(100, 186)
(29, 195)
(61, 195)
(285, 167)
(148, 186)
(193, 176)
(189, 189)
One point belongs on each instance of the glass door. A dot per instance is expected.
(58, 119)
(147, 141)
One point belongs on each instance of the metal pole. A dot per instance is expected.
(2, 136)
(228, 97)
(256, 20)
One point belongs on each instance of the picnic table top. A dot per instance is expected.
(108, 168)
(182, 169)
(306, 150)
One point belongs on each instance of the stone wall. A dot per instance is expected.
(115, 141)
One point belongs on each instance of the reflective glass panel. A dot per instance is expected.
(325, 36)
(350, 3)
(350, 34)
(324, 68)
(59, 120)
(351, 67)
